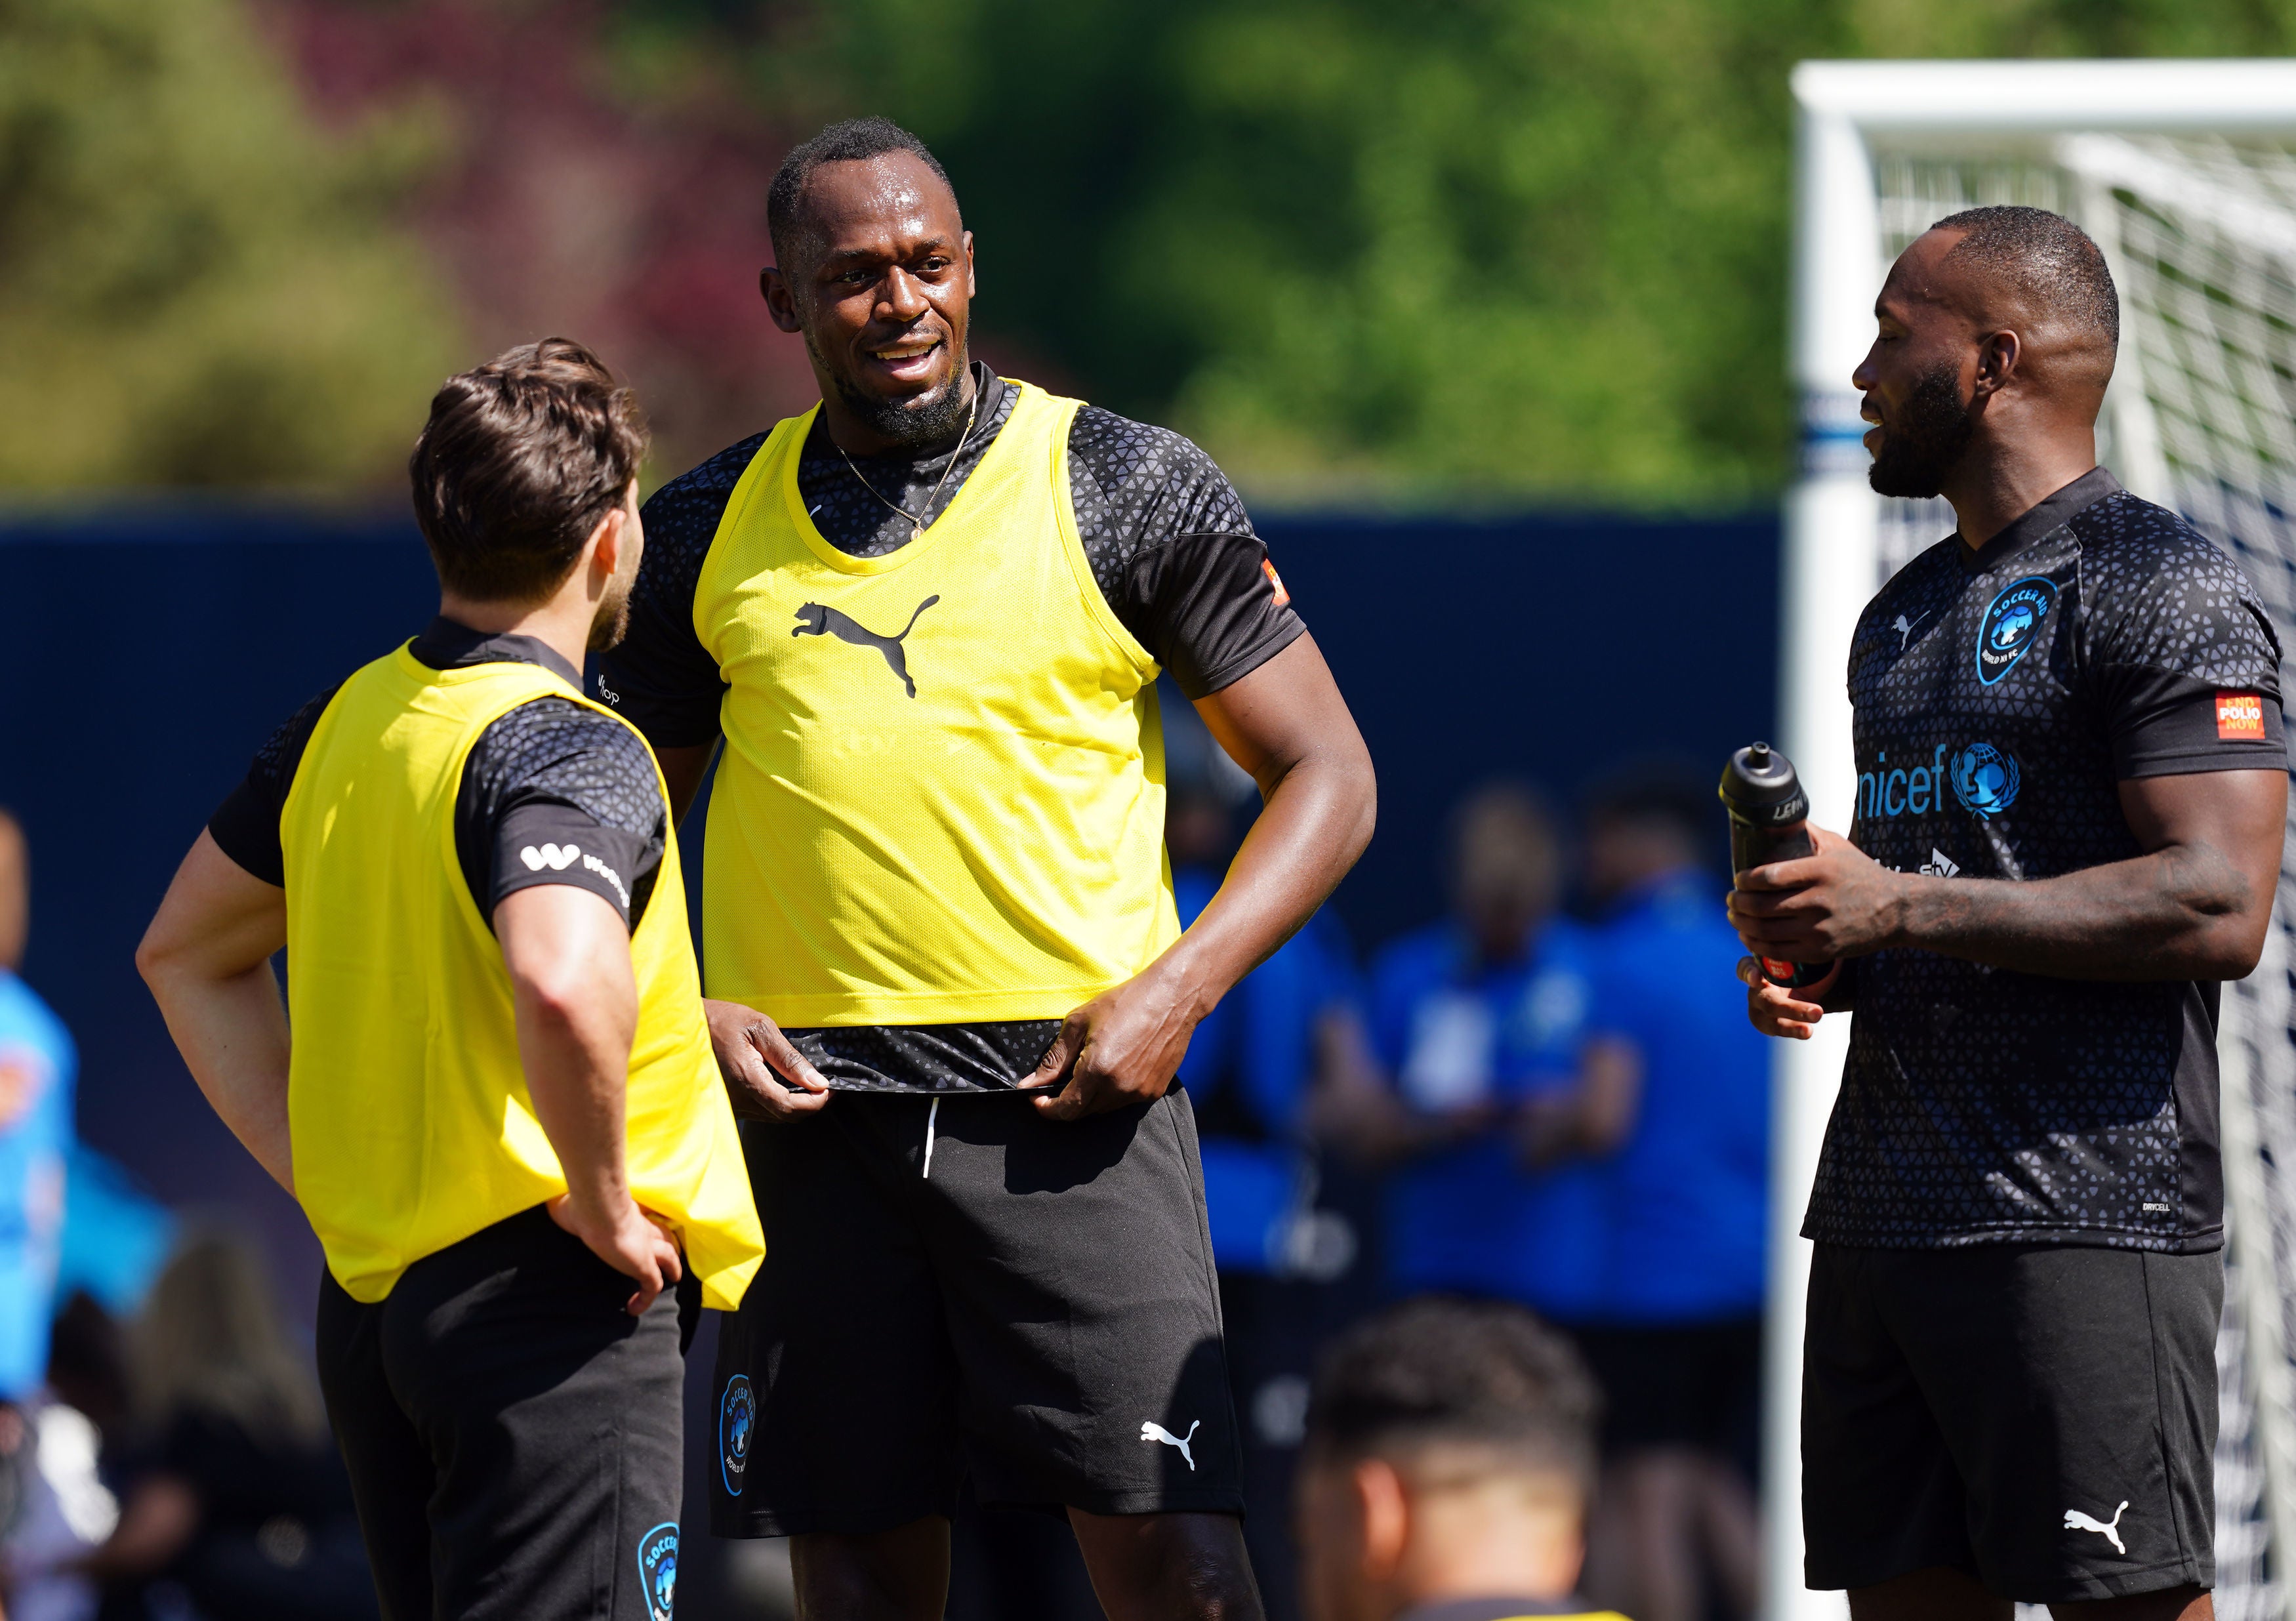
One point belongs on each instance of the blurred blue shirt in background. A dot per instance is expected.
(1689, 1189)
(1247, 1070)
(1458, 1036)
(38, 1068)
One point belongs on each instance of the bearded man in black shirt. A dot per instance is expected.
(2071, 794)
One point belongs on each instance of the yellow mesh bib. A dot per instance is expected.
(942, 794)
(407, 1105)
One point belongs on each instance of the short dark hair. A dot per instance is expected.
(2049, 261)
(520, 460)
(848, 141)
(1440, 1370)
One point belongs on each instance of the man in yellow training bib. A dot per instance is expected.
(499, 1107)
(926, 617)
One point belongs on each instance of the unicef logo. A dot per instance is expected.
(2010, 623)
(658, 1569)
(1984, 780)
(737, 1419)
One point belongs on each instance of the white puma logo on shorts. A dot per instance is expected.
(1153, 1431)
(2075, 1520)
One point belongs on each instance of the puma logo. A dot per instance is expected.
(814, 619)
(1905, 628)
(1153, 1431)
(2075, 1520)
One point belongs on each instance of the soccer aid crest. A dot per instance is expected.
(658, 1569)
(737, 1417)
(1984, 780)
(2009, 624)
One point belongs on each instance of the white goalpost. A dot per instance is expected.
(2183, 174)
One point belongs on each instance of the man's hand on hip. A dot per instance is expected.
(625, 1238)
(1836, 903)
(767, 1077)
(1123, 1046)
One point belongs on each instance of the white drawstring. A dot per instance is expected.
(931, 1115)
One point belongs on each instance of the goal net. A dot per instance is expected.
(2188, 182)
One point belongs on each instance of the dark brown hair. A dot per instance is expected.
(1438, 1371)
(520, 460)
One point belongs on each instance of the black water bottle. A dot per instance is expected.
(1769, 821)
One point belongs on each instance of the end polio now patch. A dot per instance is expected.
(2240, 718)
(2012, 620)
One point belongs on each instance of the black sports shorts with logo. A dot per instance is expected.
(2042, 1416)
(972, 1288)
(514, 1437)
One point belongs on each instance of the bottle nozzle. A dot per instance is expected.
(1758, 756)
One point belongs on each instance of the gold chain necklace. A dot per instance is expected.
(916, 523)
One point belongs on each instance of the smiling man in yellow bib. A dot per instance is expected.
(948, 986)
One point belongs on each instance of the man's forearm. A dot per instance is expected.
(2178, 913)
(1315, 824)
(207, 957)
(576, 1059)
(232, 1035)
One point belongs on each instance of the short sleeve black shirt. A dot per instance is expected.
(2001, 696)
(552, 773)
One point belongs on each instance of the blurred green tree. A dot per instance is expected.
(1462, 248)
(197, 286)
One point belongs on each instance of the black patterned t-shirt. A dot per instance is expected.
(2001, 697)
(551, 772)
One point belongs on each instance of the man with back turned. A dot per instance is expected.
(2070, 799)
(498, 1107)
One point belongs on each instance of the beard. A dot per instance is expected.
(1918, 453)
(611, 622)
(914, 422)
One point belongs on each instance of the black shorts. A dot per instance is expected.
(514, 1437)
(2041, 1416)
(1035, 1307)
(1696, 1385)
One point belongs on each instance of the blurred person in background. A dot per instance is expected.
(1450, 1448)
(1680, 1083)
(1284, 1256)
(1476, 1026)
(238, 1505)
(38, 1067)
(47, 1452)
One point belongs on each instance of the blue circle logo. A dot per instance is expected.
(1984, 780)
(737, 1420)
(658, 1569)
(2012, 620)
